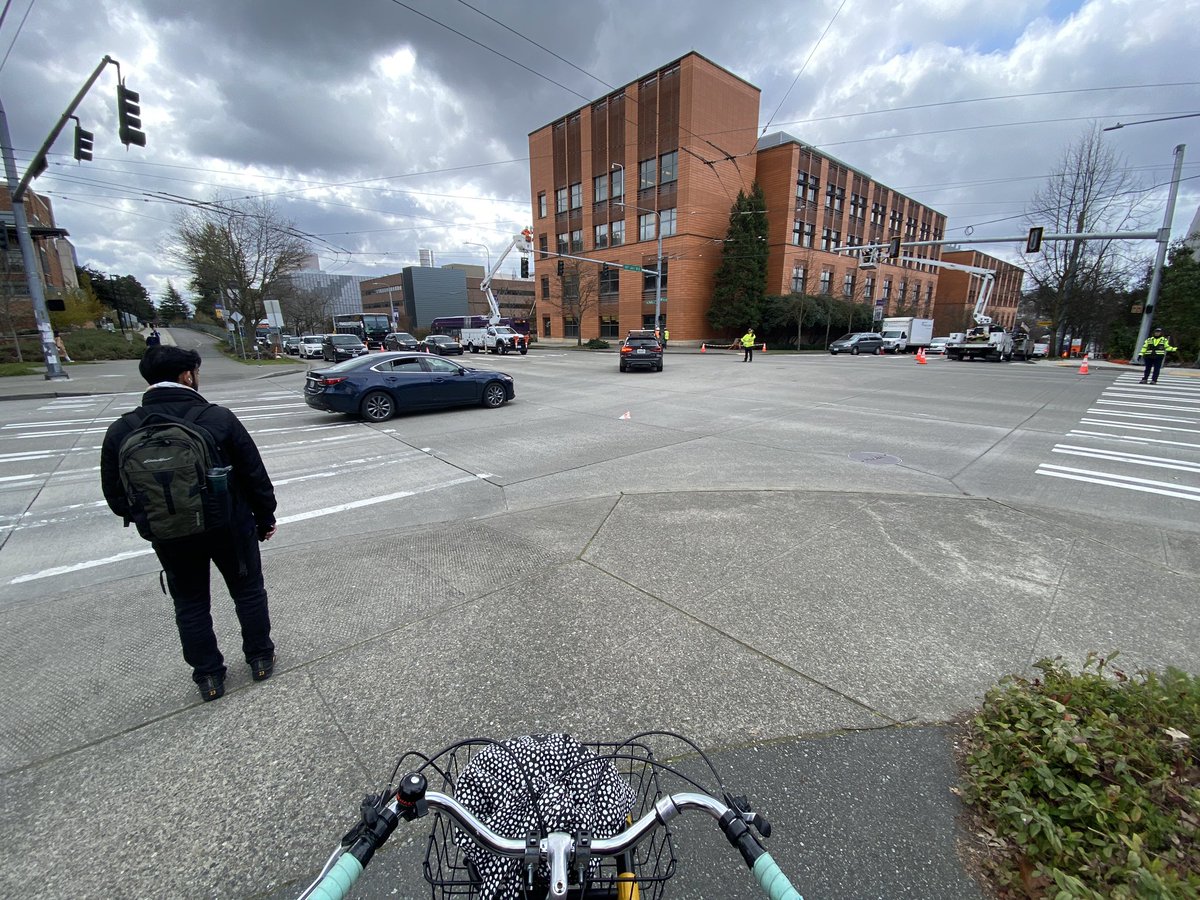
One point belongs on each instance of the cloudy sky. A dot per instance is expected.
(381, 127)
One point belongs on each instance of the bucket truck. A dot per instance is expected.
(497, 338)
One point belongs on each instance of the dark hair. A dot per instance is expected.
(165, 363)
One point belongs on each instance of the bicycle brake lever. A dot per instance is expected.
(761, 824)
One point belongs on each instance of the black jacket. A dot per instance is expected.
(254, 496)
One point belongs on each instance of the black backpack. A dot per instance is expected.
(173, 476)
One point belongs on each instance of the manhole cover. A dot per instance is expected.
(873, 458)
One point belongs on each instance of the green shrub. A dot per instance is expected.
(83, 345)
(597, 344)
(1089, 782)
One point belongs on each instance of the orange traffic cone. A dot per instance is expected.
(1083, 369)
(764, 349)
(704, 348)
(921, 361)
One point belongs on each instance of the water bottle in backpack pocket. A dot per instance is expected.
(174, 477)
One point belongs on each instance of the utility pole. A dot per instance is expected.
(1164, 238)
(130, 134)
(33, 274)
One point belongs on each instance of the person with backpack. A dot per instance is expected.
(189, 476)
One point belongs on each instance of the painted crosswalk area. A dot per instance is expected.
(1137, 437)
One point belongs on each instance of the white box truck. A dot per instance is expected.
(905, 334)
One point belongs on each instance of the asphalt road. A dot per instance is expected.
(807, 563)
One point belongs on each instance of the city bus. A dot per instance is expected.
(453, 325)
(370, 328)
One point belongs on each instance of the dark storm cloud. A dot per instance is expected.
(296, 99)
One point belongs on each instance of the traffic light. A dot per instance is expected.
(894, 247)
(83, 144)
(561, 269)
(524, 266)
(1034, 242)
(129, 117)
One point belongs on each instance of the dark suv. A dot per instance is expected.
(400, 340)
(338, 347)
(641, 350)
(858, 342)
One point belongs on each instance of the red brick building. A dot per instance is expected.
(55, 256)
(958, 292)
(672, 150)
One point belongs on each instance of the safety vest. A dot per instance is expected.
(748, 339)
(1156, 347)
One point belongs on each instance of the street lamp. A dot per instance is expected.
(659, 257)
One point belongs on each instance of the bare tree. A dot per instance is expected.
(1089, 191)
(244, 247)
(307, 310)
(579, 293)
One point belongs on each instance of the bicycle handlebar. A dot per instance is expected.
(556, 848)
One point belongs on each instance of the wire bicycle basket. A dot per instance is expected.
(452, 874)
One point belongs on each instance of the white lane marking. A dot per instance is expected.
(1136, 459)
(1134, 415)
(285, 520)
(1136, 438)
(1120, 481)
(1137, 426)
(1146, 405)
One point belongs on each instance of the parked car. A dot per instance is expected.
(441, 344)
(641, 350)
(400, 340)
(291, 345)
(379, 386)
(937, 347)
(336, 347)
(858, 342)
(310, 346)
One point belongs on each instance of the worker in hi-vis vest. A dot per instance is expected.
(1154, 351)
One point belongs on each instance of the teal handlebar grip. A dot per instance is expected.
(340, 879)
(772, 880)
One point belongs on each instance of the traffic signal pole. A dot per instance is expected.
(17, 188)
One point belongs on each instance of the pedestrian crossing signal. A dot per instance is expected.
(1034, 242)
(894, 247)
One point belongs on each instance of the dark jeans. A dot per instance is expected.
(749, 353)
(1153, 365)
(187, 566)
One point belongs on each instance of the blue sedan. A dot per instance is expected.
(377, 387)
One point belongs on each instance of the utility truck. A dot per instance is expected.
(494, 337)
(906, 334)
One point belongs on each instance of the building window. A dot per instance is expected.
(807, 187)
(545, 326)
(576, 195)
(542, 205)
(928, 298)
(887, 290)
(669, 167)
(609, 327)
(903, 292)
(545, 287)
(600, 188)
(835, 197)
(618, 232)
(618, 184)
(848, 285)
(542, 246)
(646, 174)
(648, 279)
(878, 213)
(600, 236)
(570, 326)
(830, 239)
(560, 200)
(803, 234)
(577, 241)
(799, 277)
(610, 280)
(826, 281)
(563, 247)
(667, 222)
(646, 227)
(869, 288)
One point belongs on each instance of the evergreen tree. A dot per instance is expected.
(740, 286)
(172, 307)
